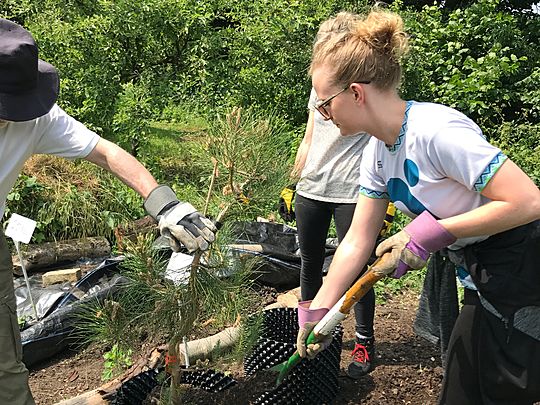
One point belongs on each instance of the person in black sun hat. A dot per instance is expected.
(32, 123)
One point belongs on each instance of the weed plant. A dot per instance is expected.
(116, 361)
(71, 199)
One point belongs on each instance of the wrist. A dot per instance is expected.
(159, 200)
(306, 314)
(428, 234)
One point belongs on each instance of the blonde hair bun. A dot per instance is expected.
(362, 48)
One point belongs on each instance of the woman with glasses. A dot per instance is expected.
(326, 167)
(464, 197)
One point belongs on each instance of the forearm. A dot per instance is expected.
(348, 262)
(489, 219)
(303, 149)
(300, 161)
(353, 252)
(124, 166)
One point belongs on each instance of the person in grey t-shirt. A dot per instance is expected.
(327, 165)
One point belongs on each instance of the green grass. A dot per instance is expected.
(389, 287)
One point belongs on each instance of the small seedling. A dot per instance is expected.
(116, 360)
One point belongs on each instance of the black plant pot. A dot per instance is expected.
(311, 382)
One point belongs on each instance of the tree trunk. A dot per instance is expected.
(55, 254)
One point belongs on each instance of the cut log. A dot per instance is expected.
(204, 348)
(55, 254)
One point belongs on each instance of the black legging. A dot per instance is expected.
(313, 221)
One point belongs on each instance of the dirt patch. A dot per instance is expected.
(66, 375)
(408, 368)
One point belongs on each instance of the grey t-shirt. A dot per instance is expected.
(332, 169)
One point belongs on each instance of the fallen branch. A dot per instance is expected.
(103, 394)
(54, 254)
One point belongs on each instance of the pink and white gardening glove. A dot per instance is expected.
(411, 247)
(307, 319)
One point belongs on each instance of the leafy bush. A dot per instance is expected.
(521, 142)
(474, 60)
(131, 118)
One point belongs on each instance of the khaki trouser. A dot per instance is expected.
(14, 389)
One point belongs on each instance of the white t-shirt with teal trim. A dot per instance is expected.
(440, 162)
(55, 133)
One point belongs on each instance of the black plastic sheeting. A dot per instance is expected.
(51, 335)
(311, 382)
(281, 262)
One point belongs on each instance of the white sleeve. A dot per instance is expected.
(64, 136)
(372, 185)
(461, 153)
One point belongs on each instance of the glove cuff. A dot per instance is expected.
(160, 199)
(426, 232)
(309, 315)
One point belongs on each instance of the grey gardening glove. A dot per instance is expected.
(178, 221)
(307, 320)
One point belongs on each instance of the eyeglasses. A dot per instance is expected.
(321, 105)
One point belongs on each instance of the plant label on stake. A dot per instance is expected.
(20, 229)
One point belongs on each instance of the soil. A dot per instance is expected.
(408, 368)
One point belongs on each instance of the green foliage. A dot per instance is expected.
(131, 118)
(472, 59)
(103, 323)
(521, 142)
(530, 95)
(116, 361)
(247, 148)
(250, 332)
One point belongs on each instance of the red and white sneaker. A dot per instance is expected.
(362, 356)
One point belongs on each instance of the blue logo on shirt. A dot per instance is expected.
(399, 190)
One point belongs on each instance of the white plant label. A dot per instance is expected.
(20, 228)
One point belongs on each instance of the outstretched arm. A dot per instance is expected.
(353, 252)
(129, 170)
(178, 221)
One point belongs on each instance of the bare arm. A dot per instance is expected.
(303, 149)
(353, 252)
(129, 170)
(515, 200)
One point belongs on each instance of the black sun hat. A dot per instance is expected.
(28, 86)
